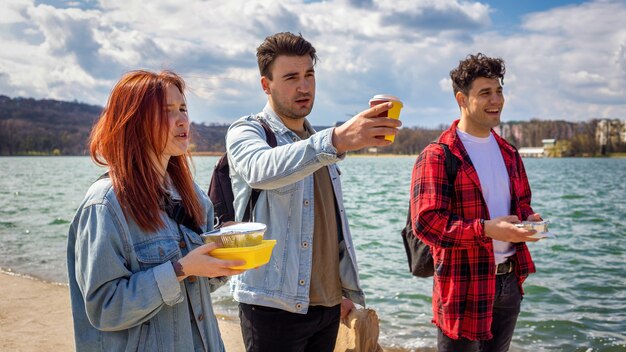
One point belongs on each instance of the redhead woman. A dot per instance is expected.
(139, 279)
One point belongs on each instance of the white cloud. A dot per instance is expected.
(58, 62)
(13, 11)
(568, 62)
(445, 84)
(436, 15)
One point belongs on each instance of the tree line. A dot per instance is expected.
(51, 127)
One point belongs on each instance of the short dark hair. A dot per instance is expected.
(476, 66)
(284, 43)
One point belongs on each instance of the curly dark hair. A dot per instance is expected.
(284, 43)
(476, 66)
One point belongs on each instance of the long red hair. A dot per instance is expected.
(129, 137)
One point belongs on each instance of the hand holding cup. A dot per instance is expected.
(365, 129)
(393, 113)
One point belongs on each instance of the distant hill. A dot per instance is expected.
(30, 126)
(209, 138)
(52, 127)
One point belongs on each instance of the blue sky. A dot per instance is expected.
(565, 59)
(507, 15)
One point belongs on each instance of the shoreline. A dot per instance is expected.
(387, 155)
(35, 315)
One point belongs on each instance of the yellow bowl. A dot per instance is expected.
(254, 256)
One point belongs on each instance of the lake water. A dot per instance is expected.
(575, 302)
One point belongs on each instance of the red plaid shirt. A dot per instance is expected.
(464, 283)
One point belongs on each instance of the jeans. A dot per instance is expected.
(506, 308)
(268, 329)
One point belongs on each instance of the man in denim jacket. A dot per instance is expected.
(293, 303)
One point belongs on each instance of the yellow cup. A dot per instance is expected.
(393, 113)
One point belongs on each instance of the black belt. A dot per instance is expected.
(505, 268)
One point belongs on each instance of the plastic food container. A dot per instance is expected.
(540, 226)
(254, 256)
(243, 234)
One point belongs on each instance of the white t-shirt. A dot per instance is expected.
(494, 182)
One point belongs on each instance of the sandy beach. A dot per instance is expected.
(36, 316)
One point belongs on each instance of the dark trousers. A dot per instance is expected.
(276, 330)
(506, 308)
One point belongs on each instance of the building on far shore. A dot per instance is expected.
(610, 135)
(538, 152)
(531, 152)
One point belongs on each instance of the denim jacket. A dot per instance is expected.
(123, 289)
(285, 174)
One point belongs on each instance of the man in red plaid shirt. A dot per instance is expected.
(481, 258)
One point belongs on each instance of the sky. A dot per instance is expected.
(565, 60)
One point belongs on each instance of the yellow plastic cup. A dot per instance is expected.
(393, 113)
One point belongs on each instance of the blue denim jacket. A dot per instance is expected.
(285, 173)
(123, 289)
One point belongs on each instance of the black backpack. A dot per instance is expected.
(221, 191)
(418, 253)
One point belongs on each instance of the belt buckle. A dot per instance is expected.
(509, 264)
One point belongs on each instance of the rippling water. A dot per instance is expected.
(575, 302)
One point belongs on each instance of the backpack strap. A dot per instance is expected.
(270, 138)
(451, 163)
(176, 211)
